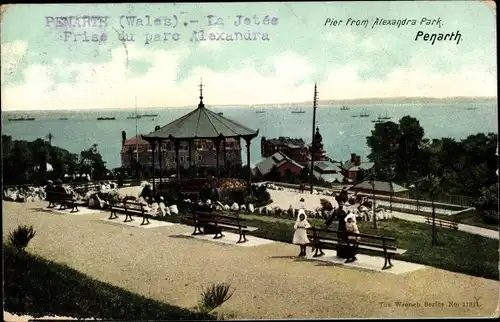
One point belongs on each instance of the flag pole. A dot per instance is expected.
(313, 132)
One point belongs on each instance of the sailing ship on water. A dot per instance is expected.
(364, 114)
(20, 119)
(106, 118)
(385, 117)
(149, 115)
(134, 117)
(344, 108)
(299, 111)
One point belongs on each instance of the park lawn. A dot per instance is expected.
(474, 218)
(457, 251)
(39, 287)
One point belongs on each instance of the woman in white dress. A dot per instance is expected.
(300, 235)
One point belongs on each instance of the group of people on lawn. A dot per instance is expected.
(346, 225)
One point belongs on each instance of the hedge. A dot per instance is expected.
(39, 287)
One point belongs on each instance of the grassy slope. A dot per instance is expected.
(39, 287)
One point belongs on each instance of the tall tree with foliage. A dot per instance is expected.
(91, 162)
(384, 144)
(488, 204)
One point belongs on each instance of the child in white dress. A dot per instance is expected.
(300, 235)
(352, 227)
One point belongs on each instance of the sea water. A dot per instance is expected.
(342, 133)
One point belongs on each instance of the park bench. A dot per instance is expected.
(323, 238)
(221, 222)
(65, 201)
(129, 208)
(442, 223)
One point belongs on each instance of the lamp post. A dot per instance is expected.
(391, 178)
(415, 186)
(313, 135)
(372, 182)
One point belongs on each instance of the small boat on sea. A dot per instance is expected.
(19, 119)
(63, 119)
(386, 117)
(301, 111)
(148, 115)
(260, 111)
(133, 117)
(364, 114)
(111, 118)
(470, 108)
(220, 113)
(344, 108)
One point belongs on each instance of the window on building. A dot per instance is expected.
(199, 158)
(182, 159)
(187, 159)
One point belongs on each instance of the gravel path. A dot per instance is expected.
(269, 281)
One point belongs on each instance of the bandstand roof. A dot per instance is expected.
(202, 123)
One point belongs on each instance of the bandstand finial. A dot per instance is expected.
(201, 93)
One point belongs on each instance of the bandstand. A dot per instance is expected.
(201, 123)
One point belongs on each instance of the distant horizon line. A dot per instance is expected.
(366, 100)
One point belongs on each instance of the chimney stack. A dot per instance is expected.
(353, 157)
(358, 160)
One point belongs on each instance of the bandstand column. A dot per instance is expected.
(160, 159)
(190, 153)
(248, 140)
(225, 157)
(153, 147)
(217, 150)
(177, 146)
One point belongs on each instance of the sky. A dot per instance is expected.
(42, 71)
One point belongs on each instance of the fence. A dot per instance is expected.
(444, 198)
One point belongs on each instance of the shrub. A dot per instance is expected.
(112, 196)
(21, 237)
(237, 195)
(214, 296)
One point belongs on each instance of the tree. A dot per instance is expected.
(409, 151)
(488, 204)
(372, 178)
(384, 144)
(397, 146)
(91, 162)
(124, 137)
(304, 175)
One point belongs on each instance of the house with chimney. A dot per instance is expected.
(354, 168)
(279, 160)
(329, 172)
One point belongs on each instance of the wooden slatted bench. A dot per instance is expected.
(442, 223)
(129, 208)
(65, 201)
(221, 222)
(325, 238)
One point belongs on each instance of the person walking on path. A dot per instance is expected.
(300, 235)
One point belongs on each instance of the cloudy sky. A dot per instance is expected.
(42, 71)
